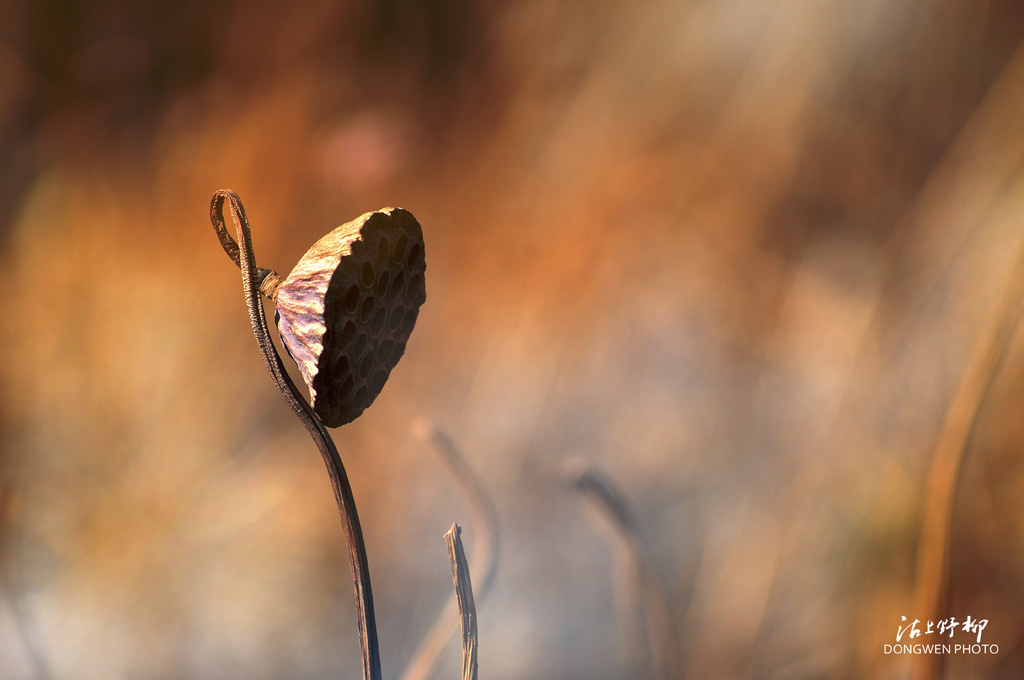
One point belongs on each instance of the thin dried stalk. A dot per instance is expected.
(661, 633)
(484, 518)
(464, 596)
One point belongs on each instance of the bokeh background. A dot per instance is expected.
(734, 255)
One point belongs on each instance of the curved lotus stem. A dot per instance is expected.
(251, 280)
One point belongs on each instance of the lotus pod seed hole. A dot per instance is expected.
(397, 283)
(352, 299)
(403, 242)
(360, 399)
(414, 288)
(382, 250)
(367, 309)
(396, 318)
(366, 365)
(377, 322)
(414, 255)
(368, 276)
(384, 351)
(382, 283)
(348, 332)
(360, 346)
(346, 387)
(408, 321)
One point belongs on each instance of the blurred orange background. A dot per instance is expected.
(734, 255)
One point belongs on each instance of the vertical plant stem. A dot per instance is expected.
(464, 596)
(251, 278)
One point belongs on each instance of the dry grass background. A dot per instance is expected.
(734, 253)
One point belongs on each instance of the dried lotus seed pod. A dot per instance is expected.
(346, 311)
